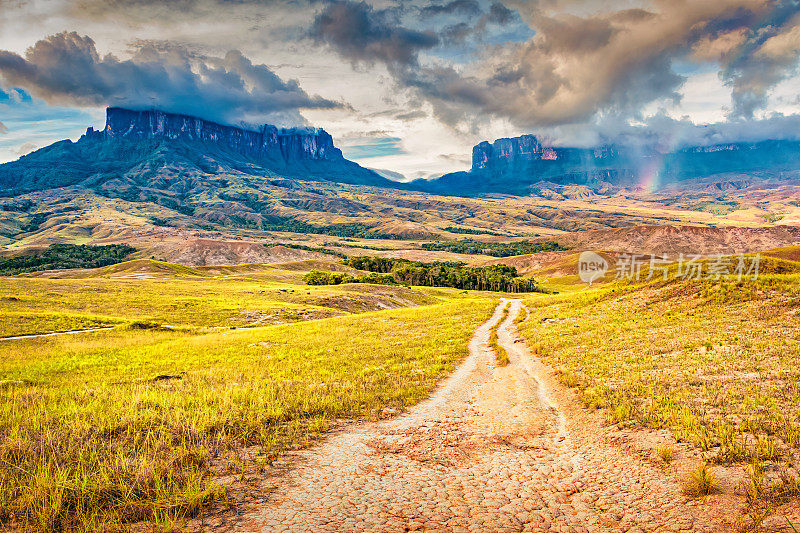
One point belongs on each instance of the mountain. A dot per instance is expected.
(140, 153)
(524, 165)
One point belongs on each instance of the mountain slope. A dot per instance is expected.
(141, 152)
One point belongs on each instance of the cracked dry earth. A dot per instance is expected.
(494, 449)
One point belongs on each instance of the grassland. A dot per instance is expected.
(715, 362)
(163, 293)
(136, 423)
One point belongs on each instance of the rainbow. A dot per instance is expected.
(651, 172)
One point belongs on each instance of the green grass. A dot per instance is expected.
(91, 440)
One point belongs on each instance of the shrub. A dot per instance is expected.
(66, 256)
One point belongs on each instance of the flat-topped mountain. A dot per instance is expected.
(524, 165)
(154, 150)
(268, 143)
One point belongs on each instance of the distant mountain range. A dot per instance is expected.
(166, 158)
(523, 166)
(140, 153)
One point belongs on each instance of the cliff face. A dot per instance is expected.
(268, 142)
(508, 151)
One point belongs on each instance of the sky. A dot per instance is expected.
(409, 85)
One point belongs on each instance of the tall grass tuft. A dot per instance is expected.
(500, 353)
(699, 481)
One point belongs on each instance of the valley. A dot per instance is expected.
(152, 176)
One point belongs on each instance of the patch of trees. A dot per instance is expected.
(58, 256)
(319, 249)
(351, 229)
(320, 277)
(470, 231)
(22, 206)
(34, 223)
(501, 278)
(162, 222)
(494, 249)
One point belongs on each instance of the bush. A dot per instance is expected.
(320, 277)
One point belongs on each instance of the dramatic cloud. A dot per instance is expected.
(3, 128)
(666, 134)
(66, 69)
(463, 7)
(768, 56)
(439, 74)
(581, 65)
(363, 34)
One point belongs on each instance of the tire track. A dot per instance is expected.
(493, 449)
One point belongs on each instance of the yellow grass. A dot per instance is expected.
(232, 299)
(124, 425)
(713, 361)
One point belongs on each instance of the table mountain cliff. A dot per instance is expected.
(524, 165)
(141, 151)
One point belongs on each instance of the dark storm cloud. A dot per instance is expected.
(475, 27)
(363, 34)
(666, 133)
(66, 69)
(500, 14)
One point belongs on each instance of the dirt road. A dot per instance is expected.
(494, 449)
(54, 334)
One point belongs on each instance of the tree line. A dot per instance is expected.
(57, 256)
(494, 249)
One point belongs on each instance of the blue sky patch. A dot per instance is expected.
(33, 124)
(365, 148)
